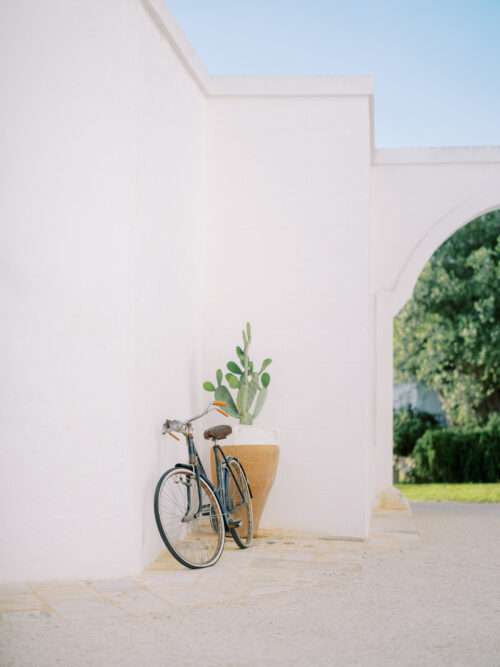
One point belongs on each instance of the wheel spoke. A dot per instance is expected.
(197, 542)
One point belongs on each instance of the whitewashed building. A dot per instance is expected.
(147, 210)
(418, 396)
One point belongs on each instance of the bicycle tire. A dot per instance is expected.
(198, 542)
(239, 508)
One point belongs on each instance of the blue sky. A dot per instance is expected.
(436, 64)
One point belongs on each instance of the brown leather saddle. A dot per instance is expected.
(218, 432)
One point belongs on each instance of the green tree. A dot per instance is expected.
(448, 334)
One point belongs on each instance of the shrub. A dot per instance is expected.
(458, 455)
(490, 444)
(409, 426)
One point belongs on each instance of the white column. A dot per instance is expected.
(383, 391)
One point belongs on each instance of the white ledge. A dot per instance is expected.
(452, 155)
(290, 86)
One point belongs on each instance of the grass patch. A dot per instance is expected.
(458, 493)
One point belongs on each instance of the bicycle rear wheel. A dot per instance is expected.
(194, 533)
(239, 504)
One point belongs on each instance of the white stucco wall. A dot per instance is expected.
(288, 199)
(165, 263)
(99, 208)
(67, 202)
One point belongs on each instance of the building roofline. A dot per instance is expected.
(172, 32)
(249, 86)
(437, 155)
(307, 86)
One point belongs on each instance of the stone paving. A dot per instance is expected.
(289, 600)
(277, 562)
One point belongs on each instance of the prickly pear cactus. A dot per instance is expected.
(250, 385)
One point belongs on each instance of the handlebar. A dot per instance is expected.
(172, 426)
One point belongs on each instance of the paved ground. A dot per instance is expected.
(399, 599)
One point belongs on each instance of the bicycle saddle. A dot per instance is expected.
(217, 432)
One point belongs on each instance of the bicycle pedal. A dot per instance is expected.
(234, 523)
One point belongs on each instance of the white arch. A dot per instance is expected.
(390, 301)
(484, 200)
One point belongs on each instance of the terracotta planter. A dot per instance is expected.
(260, 463)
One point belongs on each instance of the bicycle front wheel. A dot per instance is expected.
(189, 518)
(239, 505)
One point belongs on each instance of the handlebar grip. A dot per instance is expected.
(169, 426)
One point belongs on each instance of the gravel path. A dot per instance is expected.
(395, 600)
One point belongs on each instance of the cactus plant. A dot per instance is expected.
(250, 385)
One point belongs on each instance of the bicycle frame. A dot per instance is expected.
(220, 490)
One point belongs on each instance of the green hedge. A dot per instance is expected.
(457, 455)
(409, 426)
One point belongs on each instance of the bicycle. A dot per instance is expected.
(192, 514)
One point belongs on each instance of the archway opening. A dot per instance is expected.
(446, 342)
